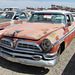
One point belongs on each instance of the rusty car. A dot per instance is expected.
(40, 41)
(8, 18)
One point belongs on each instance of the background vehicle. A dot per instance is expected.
(73, 14)
(1, 12)
(12, 9)
(8, 18)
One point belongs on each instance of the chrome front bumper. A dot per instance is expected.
(28, 57)
(39, 63)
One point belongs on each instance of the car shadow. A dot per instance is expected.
(20, 68)
(70, 68)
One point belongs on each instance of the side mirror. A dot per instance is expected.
(69, 24)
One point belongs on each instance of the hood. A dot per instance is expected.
(32, 30)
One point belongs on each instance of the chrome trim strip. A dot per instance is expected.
(13, 54)
(63, 37)
(27, 49)
(10, 41)
(16, 54)
(29, 43)
(30, 52)
(16, 50)
(50, 56)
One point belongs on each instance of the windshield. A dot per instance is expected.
(48, 18)
(6, 16)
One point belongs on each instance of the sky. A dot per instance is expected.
(35, 3)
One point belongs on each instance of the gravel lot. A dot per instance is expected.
(66, 66)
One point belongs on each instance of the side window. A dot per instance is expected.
(68, 18)
(23, 16)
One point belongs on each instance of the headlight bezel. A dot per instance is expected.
(46, 45)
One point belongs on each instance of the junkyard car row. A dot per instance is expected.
(8, 18)
(40, 40)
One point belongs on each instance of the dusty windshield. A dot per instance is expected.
(48, 18)
(6, 16)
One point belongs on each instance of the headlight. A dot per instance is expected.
(46, 45)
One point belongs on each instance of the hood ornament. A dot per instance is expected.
(15, 32)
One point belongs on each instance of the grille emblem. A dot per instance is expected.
(14, 42)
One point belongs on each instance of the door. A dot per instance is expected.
(69, 29)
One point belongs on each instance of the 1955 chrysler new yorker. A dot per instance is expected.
(40, 41)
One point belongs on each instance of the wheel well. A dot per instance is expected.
(1, 28)
(62, 45)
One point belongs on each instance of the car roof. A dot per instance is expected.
(53, 11)
(14, 11)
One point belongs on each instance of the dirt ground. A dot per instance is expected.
(66, 66)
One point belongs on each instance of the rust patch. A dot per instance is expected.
(44, 29)
(66, 31)
(57, 38)
(45, 32)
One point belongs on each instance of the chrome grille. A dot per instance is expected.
(20, 45)
(23, 50)
(14, 53)
(28, 46)
(6, 42)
